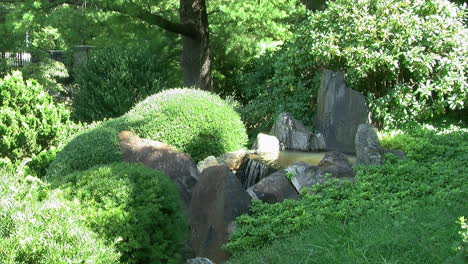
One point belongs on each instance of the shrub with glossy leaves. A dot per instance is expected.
(409, 56)
(38, 226)
(133, 205)
(30, 122)
(193, 121)
(113, 80)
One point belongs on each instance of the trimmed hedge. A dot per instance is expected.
(133, 205)
(38, 226)
(193, 121)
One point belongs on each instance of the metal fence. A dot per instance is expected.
(21, 59)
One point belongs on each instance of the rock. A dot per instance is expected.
(217, 199)
(368, 150)
(233, 160)
(340, 111)
(266, 145)
(156, 155)
(400, 154)
(291, 133)
(336, 164)
(252, 171)
(273, 189)
(305, 175)
(317, 142)
(209, 161)
(199, 260)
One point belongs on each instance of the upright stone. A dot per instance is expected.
(291, 133)
(368, 150)
(340, 111)
(156, 155)
(217, 199)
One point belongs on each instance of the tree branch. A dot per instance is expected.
(134, 11)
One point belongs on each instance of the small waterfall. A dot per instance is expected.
(252, 171)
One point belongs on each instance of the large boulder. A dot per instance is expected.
(217, 199)
(305, 175)
(340, 111)
(337, 165)
(273, 189)
(334, 163)
(156, 155)
(291, 133)
(266, 145)
(368, 150)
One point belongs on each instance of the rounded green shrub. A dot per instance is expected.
(193, 121)
(113, 80)
(410, 57)
(38, 226)
(30, 122)
(133, 205)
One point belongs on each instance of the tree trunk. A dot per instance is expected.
(195, 58)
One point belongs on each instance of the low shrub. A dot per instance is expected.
(193, 121)
(38, 226)
(30, 122)
(113, 80)
(133, 205)
(432, 176)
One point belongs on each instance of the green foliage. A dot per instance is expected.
(423, 235)
(49, 73)
(137, 207)
(114, 79)
(193, 121)
(30, 122)
(278, 82)
(95, 146)
(240, 31)
(410, 56)
(431, 178)
(38, 226)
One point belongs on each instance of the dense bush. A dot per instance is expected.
(133, 205)
(193, 121)
(48, 72)
(410, 57)
(431, 179)
(278, 82)
(113, 80)
(30, 122)
(38, 226)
